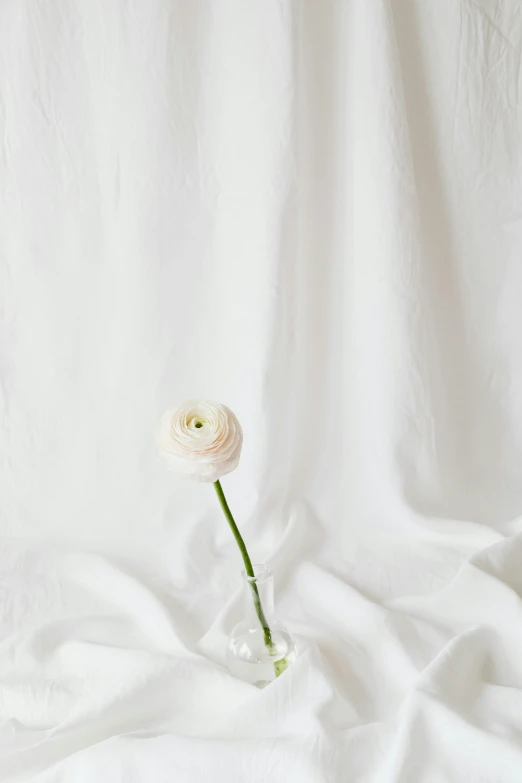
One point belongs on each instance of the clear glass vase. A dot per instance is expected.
(259, 648)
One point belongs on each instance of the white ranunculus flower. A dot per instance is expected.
(201, 440)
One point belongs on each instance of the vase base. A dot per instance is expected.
(250, 660)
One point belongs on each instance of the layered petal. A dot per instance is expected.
(201, 440)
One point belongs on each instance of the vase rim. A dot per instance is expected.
(262, 574)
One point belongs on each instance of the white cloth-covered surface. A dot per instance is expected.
(310, 212)
(111, 673)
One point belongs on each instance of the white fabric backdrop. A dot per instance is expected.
(311, 212)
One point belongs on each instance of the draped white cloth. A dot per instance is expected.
(309, 211)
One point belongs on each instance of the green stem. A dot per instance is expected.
(246, 560)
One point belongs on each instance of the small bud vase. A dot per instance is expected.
(259, 648)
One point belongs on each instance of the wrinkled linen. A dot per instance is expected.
(311, 213)
(110, 672)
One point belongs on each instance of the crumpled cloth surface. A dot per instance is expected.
(109, 672)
